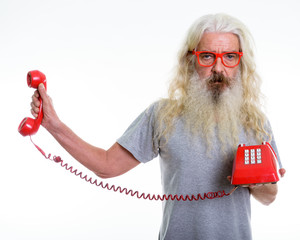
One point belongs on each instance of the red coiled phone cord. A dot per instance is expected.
(209, 195)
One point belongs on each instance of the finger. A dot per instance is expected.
(34, 114)
(36, 94)
(34, 108)
(35, 101)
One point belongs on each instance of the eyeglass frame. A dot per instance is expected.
(218, 55)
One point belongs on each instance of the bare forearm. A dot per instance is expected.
(113, 162)
(265, 194)
(91, 157)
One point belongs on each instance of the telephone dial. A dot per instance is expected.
(253, 164)
(30, 126)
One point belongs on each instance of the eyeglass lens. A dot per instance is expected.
(229, 59)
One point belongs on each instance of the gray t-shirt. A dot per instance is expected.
(187, 169)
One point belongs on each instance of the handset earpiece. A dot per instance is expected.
(30, 126)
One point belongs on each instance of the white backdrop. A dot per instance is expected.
(105, 62)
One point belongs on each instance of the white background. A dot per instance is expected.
(105, 62)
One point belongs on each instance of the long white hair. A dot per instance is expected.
(252, 118)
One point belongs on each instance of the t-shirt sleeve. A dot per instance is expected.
(139, 139)
(273, 143)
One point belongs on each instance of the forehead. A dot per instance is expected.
(215, 41)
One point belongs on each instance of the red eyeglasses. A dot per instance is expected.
(207, 59)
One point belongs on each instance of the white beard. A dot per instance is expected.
(214, 113)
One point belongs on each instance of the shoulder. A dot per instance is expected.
(162, 104)
(158, 106)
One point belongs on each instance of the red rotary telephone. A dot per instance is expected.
(30, 126)
(255, 164)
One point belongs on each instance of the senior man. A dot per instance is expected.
(213, 105)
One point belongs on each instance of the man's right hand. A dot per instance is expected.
(50, 119)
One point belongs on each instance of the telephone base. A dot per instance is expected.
(254, 165)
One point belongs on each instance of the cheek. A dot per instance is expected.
(204, 72)
(232, 73)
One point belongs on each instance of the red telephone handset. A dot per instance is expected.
(255, 164)
(30, 126)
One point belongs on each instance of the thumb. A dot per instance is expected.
(42, 91)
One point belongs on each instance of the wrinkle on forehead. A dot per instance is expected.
(219, 42)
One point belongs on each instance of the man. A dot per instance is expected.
(213, 106)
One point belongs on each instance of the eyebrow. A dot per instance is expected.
(215, 51)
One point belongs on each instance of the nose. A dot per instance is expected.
(218, 67)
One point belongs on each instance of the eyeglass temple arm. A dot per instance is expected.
(193, 51)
